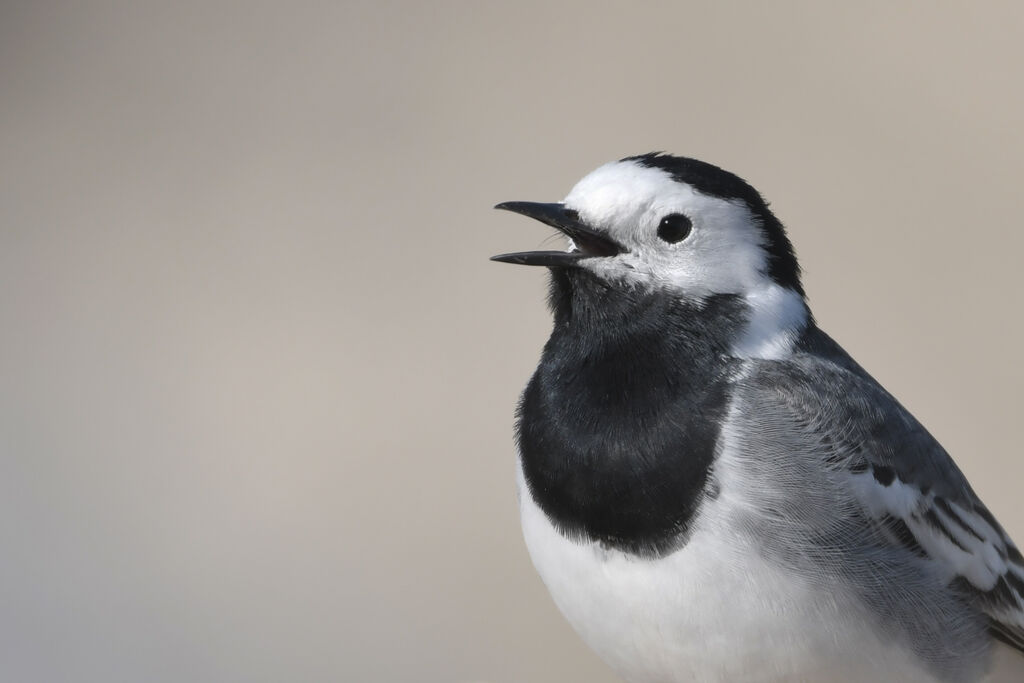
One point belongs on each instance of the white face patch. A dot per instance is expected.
(723, 254)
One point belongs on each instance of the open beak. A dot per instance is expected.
(587, 242)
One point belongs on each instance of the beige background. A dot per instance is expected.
(257, 375)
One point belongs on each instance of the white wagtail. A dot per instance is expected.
(710, 487)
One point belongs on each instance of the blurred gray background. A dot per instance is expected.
(257, 375)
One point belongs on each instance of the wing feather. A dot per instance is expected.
(905, 483)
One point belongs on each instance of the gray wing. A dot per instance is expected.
(884, 489)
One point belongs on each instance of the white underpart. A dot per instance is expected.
(724, 253)
(714, 610)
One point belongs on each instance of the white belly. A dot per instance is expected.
(712, 611)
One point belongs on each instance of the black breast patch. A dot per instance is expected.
(618, 427)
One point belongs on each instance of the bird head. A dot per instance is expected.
(675, 226)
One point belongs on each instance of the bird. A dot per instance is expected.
(710, 487)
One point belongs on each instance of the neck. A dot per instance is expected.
(776, 318)
(631, 387)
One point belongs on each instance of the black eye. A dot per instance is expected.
(674, 228)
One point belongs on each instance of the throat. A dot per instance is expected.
(618, 427)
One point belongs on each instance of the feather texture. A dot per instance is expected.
(881, 466)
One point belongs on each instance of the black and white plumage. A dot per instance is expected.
(710, 487)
